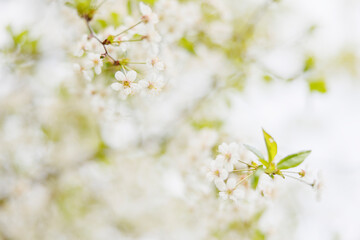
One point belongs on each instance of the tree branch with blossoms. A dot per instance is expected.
(142, 30)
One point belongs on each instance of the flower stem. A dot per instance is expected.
(299, 179)
(237, 184)
(137, 62)
(92, 34)
(131, 27)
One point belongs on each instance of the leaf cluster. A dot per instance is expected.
(268, 165)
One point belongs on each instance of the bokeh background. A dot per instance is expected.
(325, 119)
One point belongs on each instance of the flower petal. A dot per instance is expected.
(131, 75)
(120, 76)
(116, 86)
(145, 9)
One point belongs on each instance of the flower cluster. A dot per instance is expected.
(130, 51)
(226, 172)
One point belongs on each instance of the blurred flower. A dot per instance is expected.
(229, 154)
(147, 14)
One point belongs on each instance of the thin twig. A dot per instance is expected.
(244, 178)
(299, 179)
(92, 34)
(128, 29)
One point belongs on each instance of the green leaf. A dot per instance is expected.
(267, 78)
(150, 2)
(258, 235)
(292, 160)
(270, 145)
(309, 63)
(258, 154)
(188, 45)
(317, 85)
(204, 123)
(255, 177)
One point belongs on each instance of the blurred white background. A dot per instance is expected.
(326, 123)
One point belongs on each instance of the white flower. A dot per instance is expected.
(147, 14)
(217, 172)
(124, 45)
(83, 46)
(94, 61)
(155, 63)
(127, 83)
(229, 190)
(153, 84)
(229, 154)
(152, 39)
(88, 75)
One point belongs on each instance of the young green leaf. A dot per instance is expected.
(270, 145)
(188, 45)
(317, 85)
(258, 154)
(292, 160)
(255, 177)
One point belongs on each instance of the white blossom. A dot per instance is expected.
(147, 14)
(217, 172)
(229, 190)
(126, 84)
(155, 64)
(229, 154)
(153, 84)
(95, 61)
(87, 74)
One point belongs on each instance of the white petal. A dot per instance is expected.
(223, 148)
(223, 195)
(233, 147)
(98, 69)
(231, 183)
(154, 18)
(229, 166)
(145, 9)
(88, 75)
(224, 174)
(116, 86)
(131, 75)
(237, 193)
(210, 176)
(220, 159)
(159, 66)
(220, 185)
(143, 83)
(120, 76)
(127, 91)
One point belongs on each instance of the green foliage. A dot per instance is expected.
(317, 85)
(187, 45)
(204, 123)
(244, 229)
(256, 176)
(267, 78)
(258, 235)
(150, 2)
(24, 49)
(272, 169)
(101, 154)
(292, 160)
(309, 63)
(73, 202)
(85, 8)
(271, 146)
(209, 12)
(255, 151)
(236, 81)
